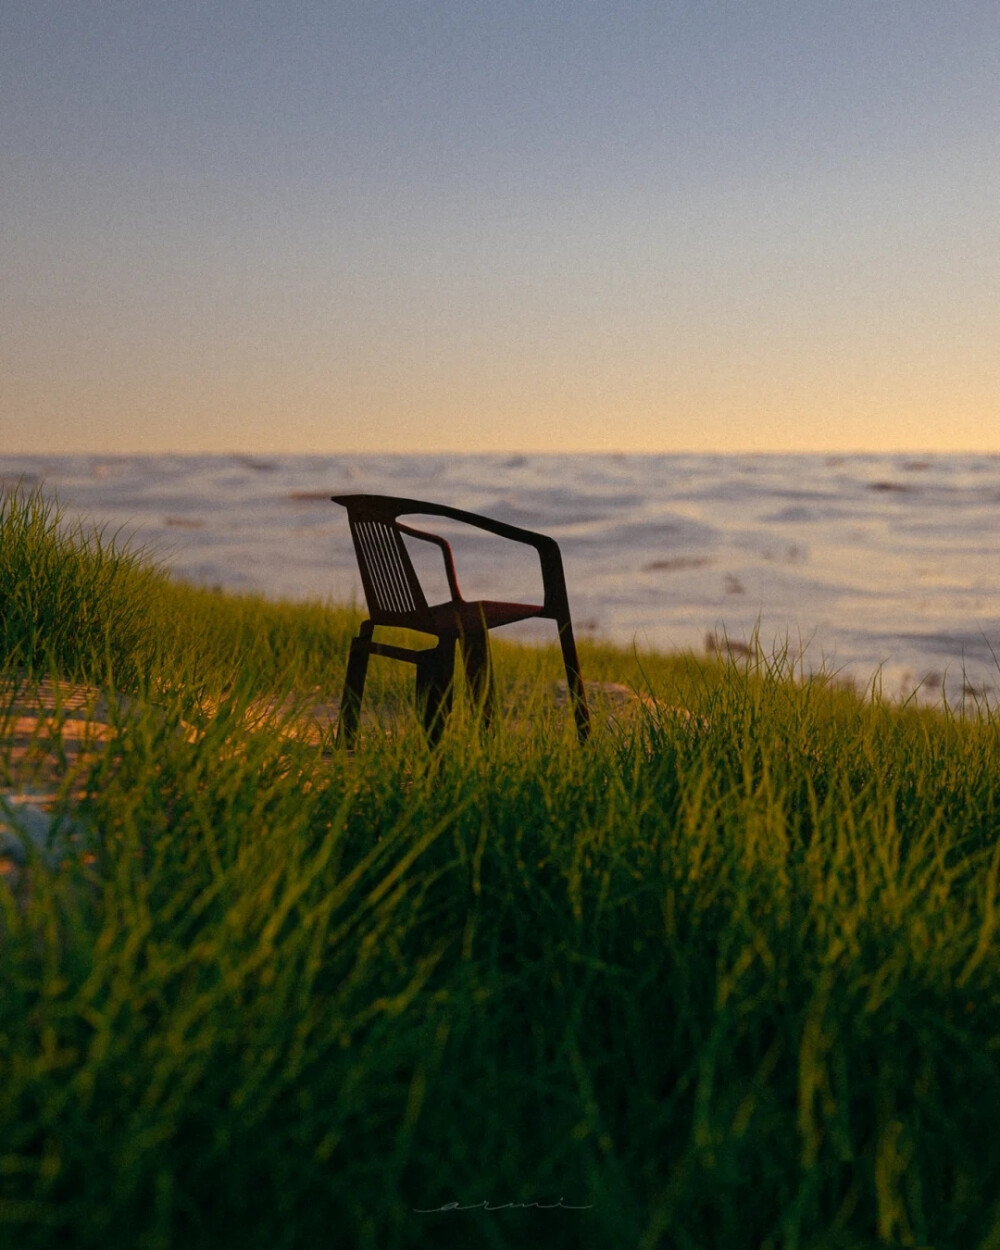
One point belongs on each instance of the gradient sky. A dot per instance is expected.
(420, 226)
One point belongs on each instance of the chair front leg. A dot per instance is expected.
(435, 683)
(574, 679)
(479, 672)
(354, 688)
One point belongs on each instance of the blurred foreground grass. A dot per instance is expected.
(725, 979)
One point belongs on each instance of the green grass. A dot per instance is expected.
(726, 981)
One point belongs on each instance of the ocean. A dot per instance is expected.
(879, 568)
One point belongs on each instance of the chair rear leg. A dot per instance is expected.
(354, 688)
(435, 683)
(574, 680)
(479, 672)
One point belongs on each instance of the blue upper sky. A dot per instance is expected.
(408, 226)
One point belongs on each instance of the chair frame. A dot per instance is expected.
(395, 598)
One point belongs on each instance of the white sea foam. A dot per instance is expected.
(877, 562)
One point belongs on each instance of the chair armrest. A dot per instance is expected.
(387, 507)
(553, 577)
(449, 559)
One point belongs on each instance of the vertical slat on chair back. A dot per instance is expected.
(386, 569)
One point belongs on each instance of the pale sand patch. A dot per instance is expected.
(52, 733)
(620, 703)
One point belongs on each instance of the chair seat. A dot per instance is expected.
(463, 616)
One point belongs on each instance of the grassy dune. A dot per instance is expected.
(726, 979)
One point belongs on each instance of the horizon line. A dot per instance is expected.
(617, 453)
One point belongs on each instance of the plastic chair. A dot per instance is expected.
(395, 598)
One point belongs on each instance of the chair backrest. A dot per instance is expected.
(390, 582)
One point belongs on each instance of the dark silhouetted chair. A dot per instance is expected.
(396, 598)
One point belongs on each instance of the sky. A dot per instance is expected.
(315, 226)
